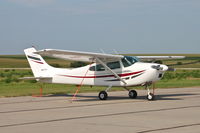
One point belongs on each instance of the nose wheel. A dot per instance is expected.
(150, 96)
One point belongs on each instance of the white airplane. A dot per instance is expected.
(105, 70)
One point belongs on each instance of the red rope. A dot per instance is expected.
(40, 95)
(79, 86)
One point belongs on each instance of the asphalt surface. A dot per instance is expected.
(174, 111)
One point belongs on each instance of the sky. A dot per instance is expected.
(125, 26)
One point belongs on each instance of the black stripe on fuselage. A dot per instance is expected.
(35, 58)
(127, 78)
(136, 75)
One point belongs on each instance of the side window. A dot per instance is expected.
(92, 68)
(113, 65)
(99, 67)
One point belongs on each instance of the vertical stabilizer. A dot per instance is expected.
(38, 65)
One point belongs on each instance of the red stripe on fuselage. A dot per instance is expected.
(104, 76)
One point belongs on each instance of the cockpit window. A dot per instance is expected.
(126, 61)
(129, 60)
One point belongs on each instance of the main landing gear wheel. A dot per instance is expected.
(132, 94)
(150, 96)
(103, 95)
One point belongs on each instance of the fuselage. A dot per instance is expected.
(138, 73)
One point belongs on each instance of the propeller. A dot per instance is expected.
(171, 69)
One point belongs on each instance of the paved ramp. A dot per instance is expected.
(175, 110)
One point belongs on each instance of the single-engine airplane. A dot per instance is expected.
(105, 70)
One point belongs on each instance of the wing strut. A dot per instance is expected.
(116, 75)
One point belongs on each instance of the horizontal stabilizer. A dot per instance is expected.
(34, 78)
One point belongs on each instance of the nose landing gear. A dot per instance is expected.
(150, 96)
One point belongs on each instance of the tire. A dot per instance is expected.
(103, 95)
(150, 97)
(132, 94)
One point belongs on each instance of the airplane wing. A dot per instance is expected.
(159, 57)
(91, 57)
(79, 56)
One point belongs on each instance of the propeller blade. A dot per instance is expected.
(171, 69)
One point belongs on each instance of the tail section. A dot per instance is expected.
(38, 65)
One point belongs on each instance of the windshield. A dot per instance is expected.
(129, 60)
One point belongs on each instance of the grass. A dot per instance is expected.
(182, 62)
(20, 61)
(28, 89)
(10, 86)
(178, 83)
(13, 63)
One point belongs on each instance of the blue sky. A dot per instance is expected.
(128, 26)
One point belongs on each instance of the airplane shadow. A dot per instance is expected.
(175, 96)
(110, 97)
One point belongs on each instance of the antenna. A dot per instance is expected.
(115, 51)
(102, 51)
(35, 46)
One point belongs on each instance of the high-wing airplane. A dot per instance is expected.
(105, 70)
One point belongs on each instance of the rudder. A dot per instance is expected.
(38, 65)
